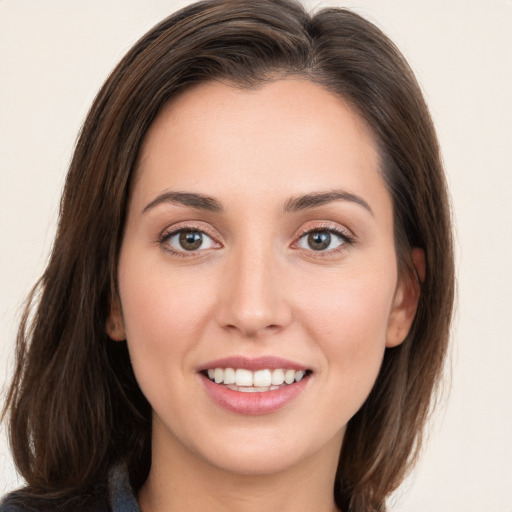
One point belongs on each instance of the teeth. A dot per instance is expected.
(229, 376)
(289, 376)
(243, 377)
(251, 389)
(299, 375)
(277, 377)
(262, 378)
(219, 375)
(251, 382)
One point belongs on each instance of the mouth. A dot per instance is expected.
(254, 386)
(258, 381)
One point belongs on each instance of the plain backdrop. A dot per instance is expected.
(55, 54)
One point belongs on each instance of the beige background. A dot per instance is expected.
(54, 55)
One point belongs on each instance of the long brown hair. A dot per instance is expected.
(74, 405)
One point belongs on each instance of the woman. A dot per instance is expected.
(249, 296)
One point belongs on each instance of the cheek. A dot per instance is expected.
(348, 317)
(164, 315)
(350, 305)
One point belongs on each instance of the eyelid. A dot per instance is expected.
(174, 229)
(340, 231)
(344, 232)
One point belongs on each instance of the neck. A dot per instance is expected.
(184, 482)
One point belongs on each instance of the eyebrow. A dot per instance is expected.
(292, 205)
(198, 201)
(315, 199)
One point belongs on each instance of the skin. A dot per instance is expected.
(255, 287)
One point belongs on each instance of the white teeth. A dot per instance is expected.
(249, 389)
(260, 380)
(299, 375)
(243, 377)
(219, 375)
(229, 376)
(252, 389)
(277, 377)
(289, 376)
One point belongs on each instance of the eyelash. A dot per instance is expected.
(346, 238)
(168, 234)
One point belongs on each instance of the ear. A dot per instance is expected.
(406, 300)
(115, 323)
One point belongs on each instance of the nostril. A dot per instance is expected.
(252, 331)
(252, 303)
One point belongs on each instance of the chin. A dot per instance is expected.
(257, 454)
(260, 463)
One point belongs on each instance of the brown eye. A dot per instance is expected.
(321, 240)
(190, 240)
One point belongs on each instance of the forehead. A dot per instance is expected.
(290, 135)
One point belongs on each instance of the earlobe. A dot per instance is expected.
(406, 301)
(115, 323)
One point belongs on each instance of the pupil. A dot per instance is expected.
(319, 240)
(190, 240)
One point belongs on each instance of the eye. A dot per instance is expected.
(321, 240)
(188, 240)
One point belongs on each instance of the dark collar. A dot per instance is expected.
(120, 492)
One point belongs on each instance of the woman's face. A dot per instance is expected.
(258, 247)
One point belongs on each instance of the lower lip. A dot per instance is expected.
(263, 402)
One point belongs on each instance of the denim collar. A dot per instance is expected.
(120, 492)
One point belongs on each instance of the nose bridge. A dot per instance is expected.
(253, 301)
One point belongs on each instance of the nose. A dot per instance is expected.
(253, 301)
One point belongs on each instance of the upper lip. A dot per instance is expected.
(253, 364)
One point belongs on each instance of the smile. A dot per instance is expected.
(247, 381)
(254, 386)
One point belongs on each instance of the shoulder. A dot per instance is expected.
(121, 495)
(20, 502)
(14, 503)
(114, 495)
